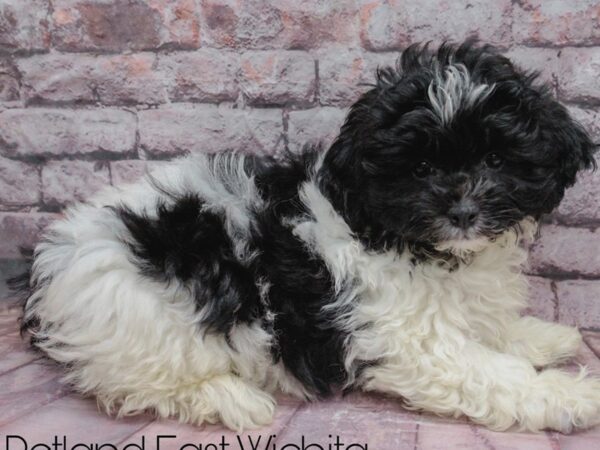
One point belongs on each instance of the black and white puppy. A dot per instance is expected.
(390, 262)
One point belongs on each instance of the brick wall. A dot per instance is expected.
(90, 91)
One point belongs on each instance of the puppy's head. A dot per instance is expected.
(451, 148)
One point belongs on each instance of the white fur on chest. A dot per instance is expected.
(402, 310)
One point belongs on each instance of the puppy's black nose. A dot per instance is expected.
(463, 215)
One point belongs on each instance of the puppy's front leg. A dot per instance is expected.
(494, 389)
(542, 343)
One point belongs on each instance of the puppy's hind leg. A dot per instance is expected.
(134, 345)
(225, 398)
(542, 343)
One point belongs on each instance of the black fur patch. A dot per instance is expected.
(308, 342)
(188, 244)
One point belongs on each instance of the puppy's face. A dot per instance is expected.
(455, 147)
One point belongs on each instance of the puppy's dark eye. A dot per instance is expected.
(423, 169)
(493, 160)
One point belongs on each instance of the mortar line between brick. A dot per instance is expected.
(143, 107)
(563, 276)
(136, 142)
(40, 201)
(285, 119)
(317, 100)
(511, 25)
(595, 352)
(590, 329)
(20, 366)
(32, 411)
(555, 300)
(550, 46)
(110, 177)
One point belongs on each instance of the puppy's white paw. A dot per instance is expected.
(576, 404)
(254, 409)
(249, 416)
(543, 343)
(566, 424)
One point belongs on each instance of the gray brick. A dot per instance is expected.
(124, 172)
(66, 182)
(180, 128)
(578, 302)
(313, 126)
(285, 24)
(278, 78)
(541, 299)
(21, 230)
(578, 75)
(389, 25)
(557, 22)
(83, 78)
(117, 25)
(24, 25)
(19, 184)
(207, 75)
(60, 132)
(345, 74)
(566, 251)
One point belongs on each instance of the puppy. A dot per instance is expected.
(390, 262)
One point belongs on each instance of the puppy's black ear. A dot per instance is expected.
(572, 144)
(342, 173)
